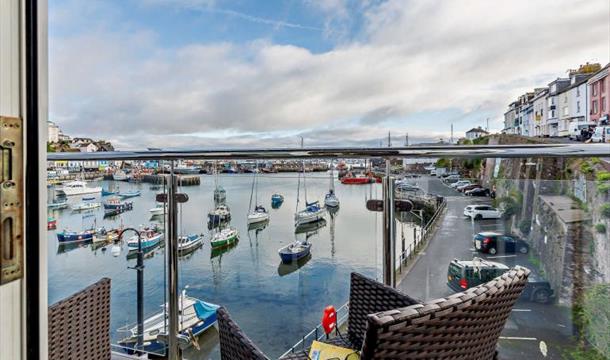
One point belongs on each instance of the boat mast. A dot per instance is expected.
(332, 183)
(304, 183)
(251, 192)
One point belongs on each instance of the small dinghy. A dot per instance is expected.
(295, 251)
(108, 192)
(277, 200)
(160, 209)
(130, 194)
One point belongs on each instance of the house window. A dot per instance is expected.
(594, 107)
(603, 104)
(578, 106)
(565, 111)
(578, 91)
(602, 85)
(594, 89)
(565, 99)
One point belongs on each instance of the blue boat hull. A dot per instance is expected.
(64, 238)
(288, 257)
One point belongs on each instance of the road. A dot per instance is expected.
(529, 324)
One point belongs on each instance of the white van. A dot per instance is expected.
(575, 130)
(601, 135)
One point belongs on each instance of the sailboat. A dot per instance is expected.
(220, 194)
(312, 212)
(331, 199)
(259, 214)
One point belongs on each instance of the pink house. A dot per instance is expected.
(599, 95)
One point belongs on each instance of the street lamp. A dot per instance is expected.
(140, 269)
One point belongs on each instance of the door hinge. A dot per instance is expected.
(11, 199)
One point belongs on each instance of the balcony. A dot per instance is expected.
(558, 216)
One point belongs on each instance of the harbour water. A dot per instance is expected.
(274, 304)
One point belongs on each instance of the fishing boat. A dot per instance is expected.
(103, 235)
(120, 175)
(259, 214)
(331, 199)
(51, 223)
(359, 179)
(195, 317)
(77, 187)
(295, 251)
(88, 205)
(108, 192)
(130, 194)
(150, 238)
(160, 209)
(277, 200)
(115, 203)
(220, 214)
(58, 205)
(73, 236)
(224, 237)
(312, 212)
(189, 243)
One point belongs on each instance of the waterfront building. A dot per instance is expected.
(599, 101)
(574, 104)
(539, 114)
(551, 127)
(476, 133)
(509, 119)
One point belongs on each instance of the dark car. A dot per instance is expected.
(468, 187)
(480, 191)
(464, 274)
(492, 243)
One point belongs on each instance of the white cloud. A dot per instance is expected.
(419, 55)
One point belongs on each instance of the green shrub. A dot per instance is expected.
(605, 210)
(603, 187)
(442, 162)
(595, 160)
(603, 176)
(595, 314)
(509, 205)
(600, 228)
(586, 168)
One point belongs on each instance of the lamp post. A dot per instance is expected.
(140, 269)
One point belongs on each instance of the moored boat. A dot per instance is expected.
(103, 235)
(351, 179)
(160, 209)
(78, 187)
(224, 237)
(51, 223)
(294, 251)
(312, 213)
(85, 206)
(150, 237)
(58, 204)
(74, 236)
(189, 243)
(115, 203)
(222, 213)
(108, 192)
(195, 317)
(120, 175)
(259, 213)
(331, 200)
(130, 194)
(277, 200)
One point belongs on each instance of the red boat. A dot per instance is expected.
(51, 223)
(350, 179)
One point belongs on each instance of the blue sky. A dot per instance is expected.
(237, 73)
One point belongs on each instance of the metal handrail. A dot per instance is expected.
(453, 151)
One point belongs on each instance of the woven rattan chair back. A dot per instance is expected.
(79, 326)
(466, 325)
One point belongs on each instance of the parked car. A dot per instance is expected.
(464, 274)
(464, 188)
(460, 183)
(576, 131)
(479, 212)
(493, 242)
(480, 191)
(601, 135)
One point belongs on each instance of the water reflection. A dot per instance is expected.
(287, 268)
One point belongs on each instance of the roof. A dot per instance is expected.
(565, 208)
(479, 129)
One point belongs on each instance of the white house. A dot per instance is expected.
(557, 86)
(53, 132)
(578, 104)
(539, 115)
(476, 133)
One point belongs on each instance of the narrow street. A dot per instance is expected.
(532, 328)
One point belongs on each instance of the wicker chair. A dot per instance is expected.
(79, 326)
(387, 324)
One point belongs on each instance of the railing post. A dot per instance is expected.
(389, 230)
(172, 266)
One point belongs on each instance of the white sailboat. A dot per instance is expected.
(259, 214)
(312, 212)
(331, 199)
(220, 194)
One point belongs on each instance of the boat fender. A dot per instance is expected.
(329, 319)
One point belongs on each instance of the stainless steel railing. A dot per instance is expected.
(171, 155)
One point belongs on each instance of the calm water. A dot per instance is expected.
(275, 305)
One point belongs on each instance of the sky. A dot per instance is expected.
(253, 73)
